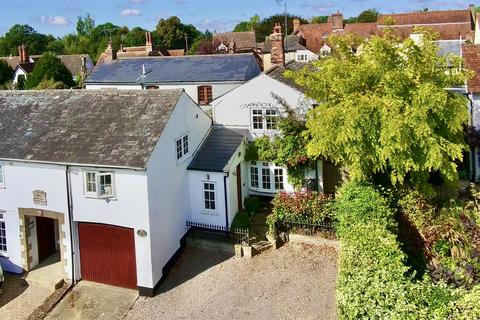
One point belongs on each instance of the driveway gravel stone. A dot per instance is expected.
(296, 281)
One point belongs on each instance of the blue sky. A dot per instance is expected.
(58, 17)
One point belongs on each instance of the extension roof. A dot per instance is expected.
(217, 150)
(112, 128)
(159, 70)
(471, 58)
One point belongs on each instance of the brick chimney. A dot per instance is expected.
(109, 53)
(296, 24)
(232, 46)
(337, 21)
(23, 54)
(148, 42)
(276, 42)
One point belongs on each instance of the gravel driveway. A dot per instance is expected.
(295, 282)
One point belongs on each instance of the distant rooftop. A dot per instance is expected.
(208, 68)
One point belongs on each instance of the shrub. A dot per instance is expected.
(374, 282)
(299, 207)
(252, 204)
(241, 221)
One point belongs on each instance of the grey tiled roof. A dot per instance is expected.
(210, 68)
(293, 44)
(94, 127)
(217, 150)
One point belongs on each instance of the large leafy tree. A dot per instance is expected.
(6, 72)
(385, 109)
(49, 67)
(264, 27)
(171, 33)
(249, 25)
(23, 34)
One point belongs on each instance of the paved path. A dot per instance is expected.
(295, 282)
(19, 299)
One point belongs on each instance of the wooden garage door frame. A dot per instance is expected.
(107, 254)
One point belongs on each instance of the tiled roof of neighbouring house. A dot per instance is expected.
(209, 68)
(427, 17)
(105, 128)
(243, 40)
(217, 150)
(73, 62)
(293, 43)
(471, 58)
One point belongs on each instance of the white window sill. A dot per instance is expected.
(211, 213)
(112, 198)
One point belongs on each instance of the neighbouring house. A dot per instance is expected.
(294, 49)
(220, 170)
(97, 181)
(449, 24)
(79, 65)
(235, 42)
(203, 78)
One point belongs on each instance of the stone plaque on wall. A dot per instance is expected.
(40, 198)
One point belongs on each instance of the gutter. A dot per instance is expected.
(67, 164)
(70, 220)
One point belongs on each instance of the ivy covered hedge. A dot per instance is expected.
(374, 281)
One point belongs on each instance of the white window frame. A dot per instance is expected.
(3, 252)
(204, 199)
(97, 193)
(2, 175)
(184, 144)
(265, 116)
(271, 167)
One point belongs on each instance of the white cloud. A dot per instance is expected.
(130, 12)
(54, 21)
(137, 1)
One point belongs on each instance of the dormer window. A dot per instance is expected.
(205, 95)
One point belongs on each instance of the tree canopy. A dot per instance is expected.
(49, 67)
(24, 34)
(6, 72)
(171, 33)
(384, 109)
(263, 28)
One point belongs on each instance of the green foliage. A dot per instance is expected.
(249, 25)
(319, 19)
(85, 25)
(50, 84)
(6, 72)
(241, 221)
(49, 67)
(369, 15)
(23, 34)
(299, 207)
(374, 282)
(385, 109)
(252, 204)
(171, 33)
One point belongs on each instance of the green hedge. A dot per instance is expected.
(374, 282)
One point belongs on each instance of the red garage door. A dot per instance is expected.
(107, 255)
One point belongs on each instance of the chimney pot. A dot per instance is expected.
(110, 54)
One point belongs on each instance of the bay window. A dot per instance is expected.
(266, 177)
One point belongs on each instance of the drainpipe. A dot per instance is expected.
(316, 176)
(226, 199)
(70, 220)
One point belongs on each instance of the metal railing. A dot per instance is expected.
(238, 235)
(310, 228)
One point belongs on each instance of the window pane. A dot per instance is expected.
(185, 144)
(179, 149)
(278, 179)
(3, 237)
(209, 196)
(106, 185)
(266, 184)
(271, 119)
(254, 177)
(257, 119)
(91, 182)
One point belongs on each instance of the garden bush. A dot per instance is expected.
(374, 281)
(299, 207)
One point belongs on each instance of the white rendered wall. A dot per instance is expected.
(168, 185)
(310, 55)
(21, 179)
(197, 212)
(129, 209)
(218, 88)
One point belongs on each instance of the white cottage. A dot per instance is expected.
(96, 181)
(219, 170)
